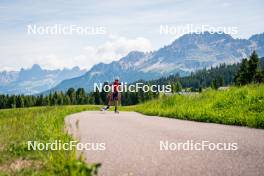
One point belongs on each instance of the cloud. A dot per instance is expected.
(53, 61)
(145, 17)
(226, 4)
(114, 49)
(111, 50)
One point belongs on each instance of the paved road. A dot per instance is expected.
(133, 145)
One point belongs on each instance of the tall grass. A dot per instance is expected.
(242, 106)
(237, 106)
(45, 124)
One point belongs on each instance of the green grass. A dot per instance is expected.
(243, 106)
(45, 124)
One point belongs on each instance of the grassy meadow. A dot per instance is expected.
(243, 106)
(44, 124)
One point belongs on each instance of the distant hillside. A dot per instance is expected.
(189, 53)
(34, 80)
(203, 78)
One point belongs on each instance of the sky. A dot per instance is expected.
(127, 26)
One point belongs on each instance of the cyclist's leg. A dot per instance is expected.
(116, 101)
(109, 101)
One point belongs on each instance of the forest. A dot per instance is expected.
(248, 71)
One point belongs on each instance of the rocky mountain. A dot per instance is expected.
(258, 42)
(34, 80)
(7, 77)
(188, 53)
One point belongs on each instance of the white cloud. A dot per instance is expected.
(53, 61)
(145, 17)
(111, 50)
(118, 47)
(226, 4)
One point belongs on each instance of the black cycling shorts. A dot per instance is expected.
(115, 95)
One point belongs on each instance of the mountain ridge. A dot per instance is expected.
(186, 54)
(35, 79)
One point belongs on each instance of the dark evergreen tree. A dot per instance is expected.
(71, 93)
(176, 87)
(221, 81)
(67, 100)
(214, 84)
(20, 101)
(242, 76)
(253, 65)
(97, 99)
(103, 94)
(250, 71)
(259, 77)
(80, 96)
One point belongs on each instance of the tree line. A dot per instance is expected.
(251, 71)
(71, 97)
(248, 71)
(221, 75)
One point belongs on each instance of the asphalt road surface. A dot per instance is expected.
(143, 145)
